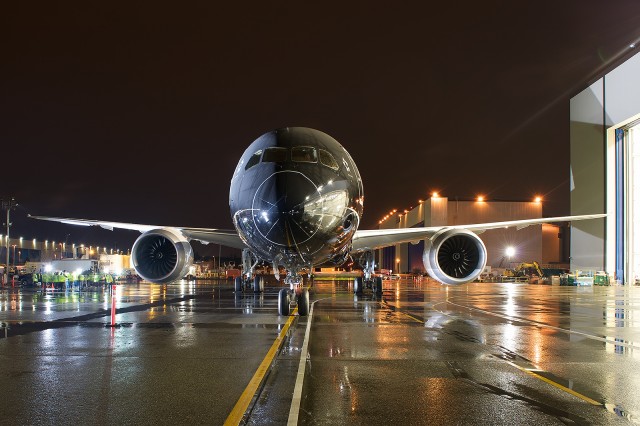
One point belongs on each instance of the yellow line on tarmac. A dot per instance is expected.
(558, 385)
(402, 312)
(235, 417)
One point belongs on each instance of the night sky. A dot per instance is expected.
(139, 112)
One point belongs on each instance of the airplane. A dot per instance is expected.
(296, 200)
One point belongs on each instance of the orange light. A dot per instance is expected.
(420, 201)
(406, 211)
(435, 195)
(480, 198)
(397, 259)
(538, 199)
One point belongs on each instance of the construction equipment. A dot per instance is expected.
(528, 269)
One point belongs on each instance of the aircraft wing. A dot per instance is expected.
(378, 238)
(229, 238)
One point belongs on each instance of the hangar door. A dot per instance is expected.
(628, 204)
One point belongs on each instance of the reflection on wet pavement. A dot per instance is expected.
(422, 353)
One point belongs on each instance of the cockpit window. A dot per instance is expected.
(275, 155)
(327, 159)
(255, 159)
(304, 154)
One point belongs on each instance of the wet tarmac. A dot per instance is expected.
(422, 353)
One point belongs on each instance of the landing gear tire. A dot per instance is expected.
(237, 284)
(378, 286)
(357, 285)
(303, 303)
(283, 302)
(258, 284)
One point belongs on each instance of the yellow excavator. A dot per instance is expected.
(525, 269)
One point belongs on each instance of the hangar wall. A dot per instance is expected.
(441, 211)
(611, 103)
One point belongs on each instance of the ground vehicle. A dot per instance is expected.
(27, 279)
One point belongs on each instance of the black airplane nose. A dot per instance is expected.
(285, 208)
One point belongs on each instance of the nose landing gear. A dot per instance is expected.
(248, 280)
(368, 280)
(374, 283)
(295, 293)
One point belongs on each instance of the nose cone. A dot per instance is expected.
(286, 210)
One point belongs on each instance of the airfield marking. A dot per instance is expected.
(555, 384)
(236, 415)
(294, 411)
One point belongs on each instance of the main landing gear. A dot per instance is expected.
(296, 292)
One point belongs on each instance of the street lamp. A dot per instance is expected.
(14, 256)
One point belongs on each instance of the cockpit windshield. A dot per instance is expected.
(299, 154)
(275, 155)
(327, 159)
(304, 154)
(255, 159)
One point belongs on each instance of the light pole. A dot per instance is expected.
(8, 205)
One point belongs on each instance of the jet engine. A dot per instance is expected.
(162, 255)
(454, 256)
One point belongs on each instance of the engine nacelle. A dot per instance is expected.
(454, 256)
(162, 255)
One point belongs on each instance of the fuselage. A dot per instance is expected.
(296, 198)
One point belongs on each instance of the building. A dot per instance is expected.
(605, 153)
(22, 250)
(541, 243)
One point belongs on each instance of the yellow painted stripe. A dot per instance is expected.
(235, 417)
(404, 313)
(416, 319)
(558, 385)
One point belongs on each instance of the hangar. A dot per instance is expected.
(546, 244)
(605, 173)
